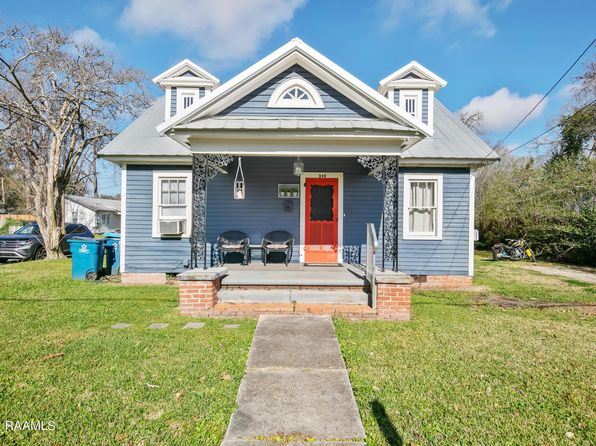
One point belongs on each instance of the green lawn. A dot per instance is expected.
(131, 386)
(467, 373)
(461, 372)
(511, 279)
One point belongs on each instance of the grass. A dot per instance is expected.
(461, 372)
(513, 280)
(131, 386)
(469, 374)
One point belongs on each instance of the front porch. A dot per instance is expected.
(339, 290)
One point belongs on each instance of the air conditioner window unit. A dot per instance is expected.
(172, 227)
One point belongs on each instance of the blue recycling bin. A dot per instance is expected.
(112, 253)
(87, 257)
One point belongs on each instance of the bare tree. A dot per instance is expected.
(59, 103)
(472, 120)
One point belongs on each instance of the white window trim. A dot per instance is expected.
(180, 93)
(417, 94)
(276, 101)
(162, 175)
(408, 235)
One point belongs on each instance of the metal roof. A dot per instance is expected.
(96, 204)
(141, 137)
(300, 123)
(452, 139)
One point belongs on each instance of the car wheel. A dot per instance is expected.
(40, 254)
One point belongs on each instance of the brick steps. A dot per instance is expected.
(290, 295)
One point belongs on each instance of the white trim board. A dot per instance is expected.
(471, 218)
(340, 210)
(123, 173)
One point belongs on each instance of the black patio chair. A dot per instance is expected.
(278, 241)
(233, 241)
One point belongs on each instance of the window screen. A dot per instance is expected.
(321, 203)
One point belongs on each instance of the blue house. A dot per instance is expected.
(296, 143)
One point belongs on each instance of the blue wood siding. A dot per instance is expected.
(262, 212)
(396, 97)
(336, 104)
(201, 92)
(173, 99)
(425, 106)
(143, 252)
(450, 255)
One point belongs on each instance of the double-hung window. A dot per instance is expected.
(171, 200)
(423, 206)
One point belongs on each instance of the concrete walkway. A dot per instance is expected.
(296, 389)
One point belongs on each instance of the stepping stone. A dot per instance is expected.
(194, 325)
(120, 325)
(232, 326)
(157, 325)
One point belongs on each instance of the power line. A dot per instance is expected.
(546, 94)
(579, 110)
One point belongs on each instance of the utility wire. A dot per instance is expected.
(546, 94)
(579, 110)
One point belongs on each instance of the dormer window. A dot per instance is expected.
(187, 100)
(411, 102)
(295, 93)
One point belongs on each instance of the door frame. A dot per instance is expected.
(340, 210)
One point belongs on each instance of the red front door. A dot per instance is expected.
(321, 220)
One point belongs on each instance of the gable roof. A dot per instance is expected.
(96, 204)
(452, 140)
(141, 138)
(179, 74)
(413, 68)
(295, 52)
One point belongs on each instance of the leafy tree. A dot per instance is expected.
(60, 101)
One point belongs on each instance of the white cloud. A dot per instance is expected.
(471, 14)
(88, 35)
(223, 30)
(503, 109)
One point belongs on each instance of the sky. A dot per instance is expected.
(498, 56)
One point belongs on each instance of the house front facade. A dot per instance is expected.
(295, 143)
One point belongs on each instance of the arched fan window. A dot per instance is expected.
(295, 93)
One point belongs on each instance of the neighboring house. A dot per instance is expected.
(320, 151)
(98, 214)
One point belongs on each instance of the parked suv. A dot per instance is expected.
(27, 244)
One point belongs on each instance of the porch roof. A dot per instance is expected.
(291, 123)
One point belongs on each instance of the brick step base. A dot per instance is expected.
(351, 311)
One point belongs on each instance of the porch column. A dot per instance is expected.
(204, 167)
(386, 170)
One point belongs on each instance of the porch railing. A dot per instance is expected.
(371, 260)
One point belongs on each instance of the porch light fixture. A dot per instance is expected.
(298, 167)
(239, 191)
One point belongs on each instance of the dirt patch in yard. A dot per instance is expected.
(504, 302)
(571, 273)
